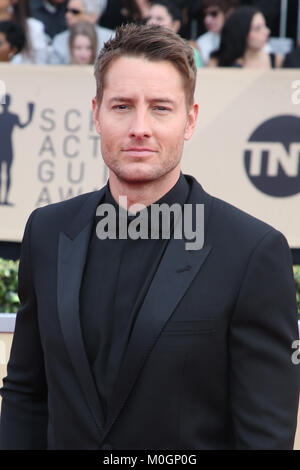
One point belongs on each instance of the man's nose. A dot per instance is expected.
(140, 126)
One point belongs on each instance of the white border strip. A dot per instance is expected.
(7, 322)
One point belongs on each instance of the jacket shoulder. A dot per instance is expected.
(229, 213)
(60, 214)
(228, 222)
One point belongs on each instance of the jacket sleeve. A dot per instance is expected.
(264, 380)
(24, 413)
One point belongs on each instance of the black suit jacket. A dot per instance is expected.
(208, 365)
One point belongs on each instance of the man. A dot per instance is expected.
(79, 10)
(149, 343)
(215, 13)
(51, 13)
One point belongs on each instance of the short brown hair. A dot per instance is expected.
(153, 42)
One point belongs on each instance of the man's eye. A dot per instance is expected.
(120, 106)
(161, 108)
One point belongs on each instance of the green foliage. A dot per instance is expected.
(9, 300)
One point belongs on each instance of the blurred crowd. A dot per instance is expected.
(222, 33)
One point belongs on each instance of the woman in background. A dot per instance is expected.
(36, 41)
(243, 41)
(83, 43)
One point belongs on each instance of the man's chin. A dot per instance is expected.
(138, 175)
(138, 178)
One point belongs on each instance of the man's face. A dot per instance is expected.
(75, 12)
(143, 119)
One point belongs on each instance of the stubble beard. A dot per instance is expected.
(141, 172)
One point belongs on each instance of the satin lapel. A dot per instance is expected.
(71, 261)
(176, 271)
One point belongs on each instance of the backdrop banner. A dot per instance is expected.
(245, 150)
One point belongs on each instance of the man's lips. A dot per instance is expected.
(139, 151)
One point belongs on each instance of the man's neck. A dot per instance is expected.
(141, 193)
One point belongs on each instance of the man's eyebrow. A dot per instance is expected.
(123, 99)
(163, 100)
(118, 99)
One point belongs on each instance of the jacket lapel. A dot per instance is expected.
(179, 267)
(72, 251)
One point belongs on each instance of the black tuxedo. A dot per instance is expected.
(208, 364)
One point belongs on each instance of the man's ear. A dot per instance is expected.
(96, 115)
(191, 121)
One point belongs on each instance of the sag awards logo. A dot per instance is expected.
(8, 122)
(272, 156)
(66, 146)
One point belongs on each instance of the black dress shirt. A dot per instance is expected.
(117, 275)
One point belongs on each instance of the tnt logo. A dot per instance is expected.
(2, 92)
(272, 156)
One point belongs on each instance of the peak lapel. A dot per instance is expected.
(71, 261)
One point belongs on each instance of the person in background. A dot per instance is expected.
(51, 13)
(79, 10)
(215, 13)
(83, 43)
(12, 40)
(243, 42)
(36, 49)
(165, 13)
(5, 10)
(270, 10)
(135, 11)
(112, 15)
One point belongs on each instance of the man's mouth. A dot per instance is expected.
(139, 151)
